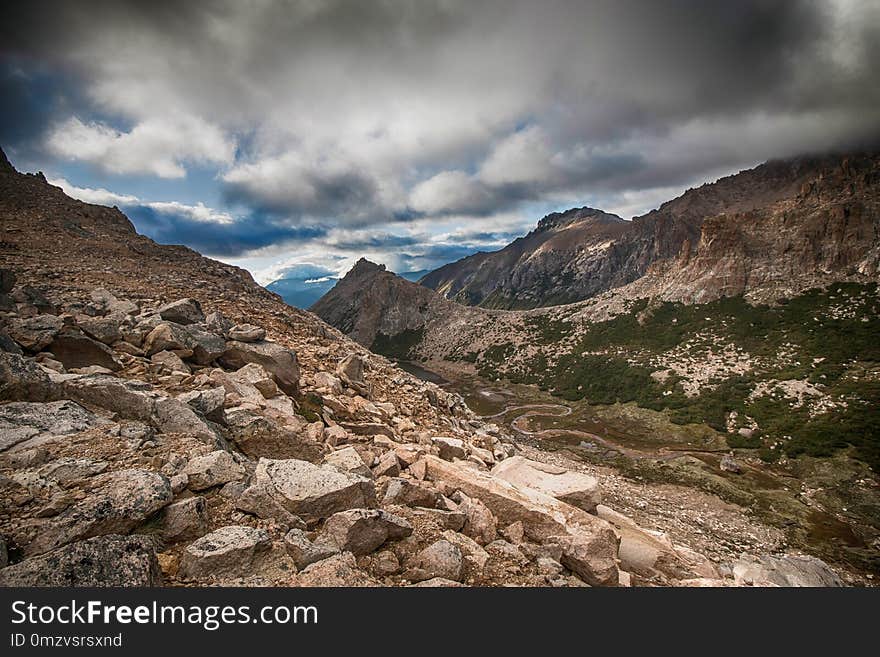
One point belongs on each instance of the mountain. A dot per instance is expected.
(301, 292)
(577, 254)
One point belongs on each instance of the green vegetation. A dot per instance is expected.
(830, 338)
(397, 346)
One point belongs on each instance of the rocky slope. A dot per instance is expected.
(813, 214)
(164, 420)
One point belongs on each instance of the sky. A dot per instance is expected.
(292, 138)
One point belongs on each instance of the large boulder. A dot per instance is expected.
(349, 460)
(351, 371)
(361, 531)
(122, 501)
(441, 559)
(173, 416)
(102, 329)
(784, 570)
(168, 336)
(261, 437)
(231, 550)
(340, 570)
(20, 421)
(408, 492)
(212, 469)
(110, 560)
(184, 311)
(575, 488)
(246, 333)
(314, 491)
(35, 333)
(209, 403)
(305, 552)
(589, 542)
(206, 346)
(450, 448)
(132, 400)
(76, 350)
(277, 360)
(184, 520)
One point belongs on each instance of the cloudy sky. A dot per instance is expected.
(295, 137)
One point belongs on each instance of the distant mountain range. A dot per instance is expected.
(302, 292)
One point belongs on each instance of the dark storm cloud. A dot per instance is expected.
(358, 114)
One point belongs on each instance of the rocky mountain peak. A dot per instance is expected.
(558, 220)
(364, 267)
(5, 166)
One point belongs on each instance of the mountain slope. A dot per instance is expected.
(577, 254)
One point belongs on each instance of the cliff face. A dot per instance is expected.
(575, 255)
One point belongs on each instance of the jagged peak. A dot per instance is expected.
(5, 164)
(560, 219)
(363, 267)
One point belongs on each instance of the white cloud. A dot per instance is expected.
(98, 196)
(158, 146)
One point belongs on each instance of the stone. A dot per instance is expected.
(574, 488)
(305, 552)
(340, 570)
(440, 559)
(184, 311)
(209, 403)
(277, 360)
(35, 333)
(102, 329)
(450, 448)
(348, 460)
(549, 567)
(362, 531)
(133, 400)
(506, 550)
(730, 464)
(326, 381)
(231, 550)
(122, 502)
(110, 304)
(78, 350)
(587, 542)
(246, 333)
(20, 421)
(444, 519)
(474, 555)
(112, 560)
(170, 361)
(784, 570)
(351, 371)
(217, 323)
(206, 346)
(259, 436)
(259, 501)
(184, 520)
(212, 469)
(257, 376)
(407, 492)
(312, 491)
(66, 470)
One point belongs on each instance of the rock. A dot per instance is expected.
(232, 550)
(206, 347)
(125, 561)
(480, 523)
(730, 464)
(207, 403)
(184, 311)
(261, 437)
(7, 343)
(35, 333)
(453, 520)
(78, 350)
(645, 553)
(407, 492)
(20, 421)
(22, 379)
(474, 555)
(277, 360)
(348, 460)
(361, 531)
(351, 371)
(574, 488)
(440, 559)
(385, 563)
(66, 470)
(514, 532)
(259, 501)
(246, 333)
(339, 570)
(168, 336)
(212, 469)
(122, 502)
(173, 416)
(784, 570)
(549, 567)
(102, 329)
(506, 550)
(110, 304)
(303, 551)
(311, 491)
(184, 520)
(450, 448)
(170, 361)
(588, 543)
